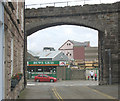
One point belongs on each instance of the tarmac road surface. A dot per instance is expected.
(65, 90)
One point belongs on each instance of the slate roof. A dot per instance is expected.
(48, 54)
(75, 43)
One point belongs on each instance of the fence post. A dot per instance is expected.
(67, 3)
(84, 1)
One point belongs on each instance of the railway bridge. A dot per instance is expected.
(102, 17)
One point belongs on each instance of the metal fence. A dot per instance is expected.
(60, 4)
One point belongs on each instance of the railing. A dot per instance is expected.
(59, 4)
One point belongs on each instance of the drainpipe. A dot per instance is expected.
(25, 52)
(110, 73)
(1, 51)
(109, 62)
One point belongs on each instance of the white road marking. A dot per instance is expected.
(30, 84)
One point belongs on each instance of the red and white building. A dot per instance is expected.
(74, 50)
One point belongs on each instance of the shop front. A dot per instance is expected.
(44, 67)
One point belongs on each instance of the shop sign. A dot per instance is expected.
(47, 63)
(42, 63)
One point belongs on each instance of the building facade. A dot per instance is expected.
(70, 49)
(48, 62)
(86, 57)
(80, 54)
(12, 48)
(91, 53)
(91, 57)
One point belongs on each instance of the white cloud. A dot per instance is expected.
(56, 36)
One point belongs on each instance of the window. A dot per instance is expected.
(45, 76)
(11, 4)
(17, 10)
(40, 76)
(11, 56)
(68, 44)
(1, 13)
(22, 19)
(21, 57)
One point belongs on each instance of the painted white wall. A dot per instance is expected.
(1, 51)
(67, 48)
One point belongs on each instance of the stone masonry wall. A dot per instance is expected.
(14, 30)
(103, 17)
(94, 16)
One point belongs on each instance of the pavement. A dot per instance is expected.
(70, 89)
(111, 90)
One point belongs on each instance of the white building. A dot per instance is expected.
(52, 56)
(68, 47)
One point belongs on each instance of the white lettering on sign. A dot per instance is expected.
(34, 62)
(40, 62)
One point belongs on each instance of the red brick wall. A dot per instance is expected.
(78, 53)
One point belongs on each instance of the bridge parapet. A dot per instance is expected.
(72, 10)
(57, 4)
(65, 3)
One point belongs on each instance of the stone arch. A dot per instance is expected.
(38, 27)
(103, 17)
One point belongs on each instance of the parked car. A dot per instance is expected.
(44, 77)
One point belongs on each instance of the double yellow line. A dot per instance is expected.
(57, 94)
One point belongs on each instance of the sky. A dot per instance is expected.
(58, 35)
